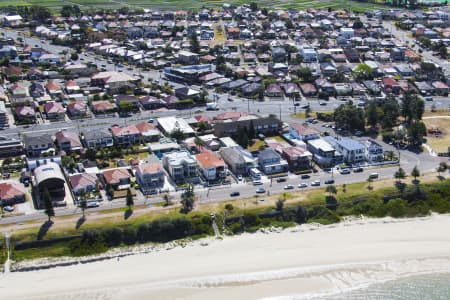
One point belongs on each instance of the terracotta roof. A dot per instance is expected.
(149, 168)
(203, 118)
(103, 105)
(208, 159)
(113, 176)
(11, 189)
(230, 115)
(303, 130)
(53, 86)
(68, 136)
(144, 126)
(77, 105)
(126, 130)
(79, 181)
(53, 107)
(24, 111)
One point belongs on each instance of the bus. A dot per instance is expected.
(255, 173)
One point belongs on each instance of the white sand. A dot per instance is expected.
(253, 266)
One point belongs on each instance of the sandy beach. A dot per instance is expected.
(295, 262)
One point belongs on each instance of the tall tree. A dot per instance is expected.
(372, 115)
(415, 173)
(187, 199)
(48, 204)
(332, 190)
(251, 130)
(399, 174)
(416, 131)
(195, 45)
(82, 202)
(129, 199)
(177, 134)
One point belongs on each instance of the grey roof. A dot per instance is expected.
(96, 134)
(268, 153)
(350, 144)
(37, 139)
(232, 156)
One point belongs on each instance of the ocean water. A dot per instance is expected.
(420, 287)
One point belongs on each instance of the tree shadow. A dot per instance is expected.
(127, 214)
(415, 181)
(80, 222)
(44, 229)
(440, 177)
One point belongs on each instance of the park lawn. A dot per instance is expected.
(440, 143)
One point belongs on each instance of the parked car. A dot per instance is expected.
(315, 183)
(260, 190)
(373, 176)
(9, 208)
(239, 177)
(302, 185)
(358, 170)
(235, 194)
(305, 176)
(281, 179)
(92, 204)
(288, 187)
(345, 171)
(329, 181)
(257, 182)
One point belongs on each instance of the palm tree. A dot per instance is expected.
(199, 143)
(166, 199)
(82, 202)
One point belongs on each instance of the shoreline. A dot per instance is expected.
(262, 265)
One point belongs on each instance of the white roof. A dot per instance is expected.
(321, 144)
(13, 18)
(168, 124)
(228, 142)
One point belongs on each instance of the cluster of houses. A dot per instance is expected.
(209, 157)
(265, 53)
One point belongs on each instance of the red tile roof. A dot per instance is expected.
(11, 189)
(113, 176)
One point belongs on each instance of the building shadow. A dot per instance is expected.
(80, 222)
(44, 229)
(127, 214)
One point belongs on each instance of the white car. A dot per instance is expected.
(315, 183)
(302, 185)
(240, 177)
(288, 187)
(345, 171)
(9, 208)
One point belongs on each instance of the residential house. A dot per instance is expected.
(150, 176)
(97, 139)
(118, 178)
(373, 151)
(273, 90)
(126, 135)
(298, 158)
(77, 109)
(103, 107)
(291, 89)
(25, 115)
(270, 162)
(308, 54)
(212, 166)
(48, 177)
(169, 124)
(351, 150)
(323, 153)
(54, 111)
(180, 165)
(113, 80)
(308, 89)
(440, 88)
(37, 143)
(187, 57)
(72, 87)
(11, 192)
(424, 88)
(68, 141)
(391, 86)
(239, 160)
(264, 125)
(53, 88)
(148, 132)
(303, 132)
(10, 147)
(83, 183)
